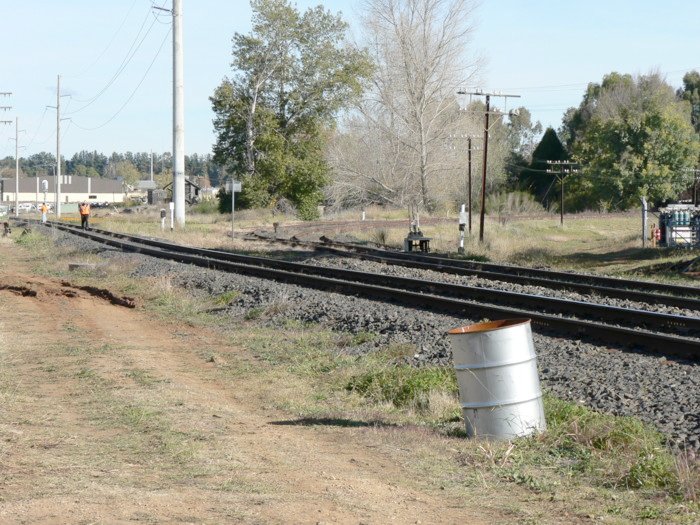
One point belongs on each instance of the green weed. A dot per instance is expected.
(226, 298)
(403, 385)
(254, 313)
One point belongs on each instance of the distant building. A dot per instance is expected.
(140, 190)
(192, 191)
(73, 189)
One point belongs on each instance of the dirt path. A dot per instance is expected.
(110, 417)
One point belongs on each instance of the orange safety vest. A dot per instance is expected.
(44, 208)
(85, 210)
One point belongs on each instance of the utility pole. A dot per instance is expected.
(151, 165)
(178, 114)
(57, 178)
(486, 150)
(16, 166)
(9, 122)
(469, 181)
(178, 117)
(58, 147)
(561, 168)
(696, 179)
(17, 130)
(469, 178)
(6, 108)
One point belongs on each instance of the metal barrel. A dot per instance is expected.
(499, 387)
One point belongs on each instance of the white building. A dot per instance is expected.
(73, 189)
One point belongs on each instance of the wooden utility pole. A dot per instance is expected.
(696, 179)
(486, 150)
(561, 168)
(469, 182)
(470, 149)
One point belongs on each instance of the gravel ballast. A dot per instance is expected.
(660, 391)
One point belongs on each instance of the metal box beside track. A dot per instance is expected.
(680, 225)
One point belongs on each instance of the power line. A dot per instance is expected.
(127, 59)
(132, 93)
(36, 133)
(109, 44)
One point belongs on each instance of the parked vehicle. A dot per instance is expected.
(26, 207)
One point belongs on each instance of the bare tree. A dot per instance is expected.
(402, 131)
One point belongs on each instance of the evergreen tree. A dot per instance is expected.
(535, 177)
(691, 93)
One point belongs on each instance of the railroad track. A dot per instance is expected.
(642, 291)
(651, 331)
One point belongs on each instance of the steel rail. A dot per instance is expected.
(347, 282)
(679, 296)
(690, 326)
(687, 303)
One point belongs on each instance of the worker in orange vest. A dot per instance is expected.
(44, 209)
(84, 215)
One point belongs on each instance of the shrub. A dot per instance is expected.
(512, 203)
(206, 206)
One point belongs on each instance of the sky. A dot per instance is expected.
(115, 62)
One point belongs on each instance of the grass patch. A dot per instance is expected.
(86, 373)
(34, 241)
(207, 206)
(142, 378)
(351, 340)
(254, 313)
(631, 453)
(226, 298)
(403, 386)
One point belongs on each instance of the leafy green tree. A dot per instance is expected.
(521, 139)
(576, 120)
(292, 75)
(635, 140)
(691, 93)
(127, 171)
